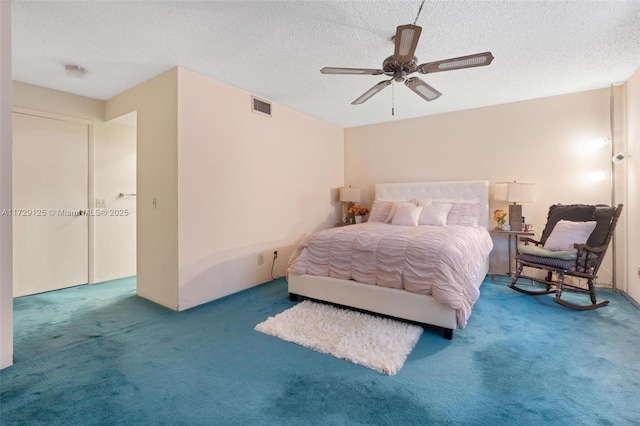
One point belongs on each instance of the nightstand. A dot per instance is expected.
(511, 253)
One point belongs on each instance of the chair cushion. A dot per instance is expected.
(567, 265)
(603, 217)
(541, 252)
(571, 212)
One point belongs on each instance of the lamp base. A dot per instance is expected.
(349, 217)
(515, 217)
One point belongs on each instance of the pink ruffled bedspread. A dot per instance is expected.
(443, 261)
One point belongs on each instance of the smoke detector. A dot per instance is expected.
(75, 71)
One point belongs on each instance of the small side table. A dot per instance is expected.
(511, 254)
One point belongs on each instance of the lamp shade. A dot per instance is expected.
(515, 192)
(350, 195)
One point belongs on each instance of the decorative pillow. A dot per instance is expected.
(573, 212)
(407, 214)
(464, 214)
(567, 233)
(395, 206)
(434, 213)
(380, 210)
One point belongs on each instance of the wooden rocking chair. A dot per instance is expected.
(583, 262)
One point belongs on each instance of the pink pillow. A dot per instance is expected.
(407, 215)
(464, 214)
(380, 210)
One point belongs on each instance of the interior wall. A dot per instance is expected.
(57, 102)
(115, 173)
(632, 171)
(539, 141)
(247, 185)
(111, 169)
(156, 104)
(6, 258)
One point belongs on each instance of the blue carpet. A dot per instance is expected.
(101, 355)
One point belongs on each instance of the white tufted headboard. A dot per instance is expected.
(473, 190)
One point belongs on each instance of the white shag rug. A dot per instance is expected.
(381, 344)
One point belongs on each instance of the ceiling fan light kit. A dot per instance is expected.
(403, 62)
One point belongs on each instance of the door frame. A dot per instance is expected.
(90, 175)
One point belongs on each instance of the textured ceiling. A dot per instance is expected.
(275, 49)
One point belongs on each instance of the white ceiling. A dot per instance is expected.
(275, 49)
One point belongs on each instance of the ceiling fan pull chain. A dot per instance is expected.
(393, 92)
(419, 10)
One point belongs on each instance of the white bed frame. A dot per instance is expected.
(390, 301)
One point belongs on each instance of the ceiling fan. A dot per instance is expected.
(402, 63)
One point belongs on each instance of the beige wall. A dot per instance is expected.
(536, 141)
(247, 184)
(6, 258)
(229, 185)
(54, 101)
(632, 179)
(156, 103)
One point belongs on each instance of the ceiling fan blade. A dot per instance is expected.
(469, 61)
(406, 39)
(423, 90)
(369, 93)
(334, 70)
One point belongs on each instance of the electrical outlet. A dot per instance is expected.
(260, 258)
(275, 254)
(101, 202)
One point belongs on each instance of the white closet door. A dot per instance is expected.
(50, 190)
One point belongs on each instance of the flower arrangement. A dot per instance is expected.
(358, 210)
(500, 216)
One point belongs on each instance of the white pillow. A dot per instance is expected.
(380, 210)
(566, 233)
(395, 206)
(433, 213)
(407, 214)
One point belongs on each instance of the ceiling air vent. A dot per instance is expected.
(260, 106)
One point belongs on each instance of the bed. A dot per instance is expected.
(425, 303)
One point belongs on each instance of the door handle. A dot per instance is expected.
(82, 212)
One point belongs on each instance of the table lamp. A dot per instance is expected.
(349, 195)
(515, 192)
